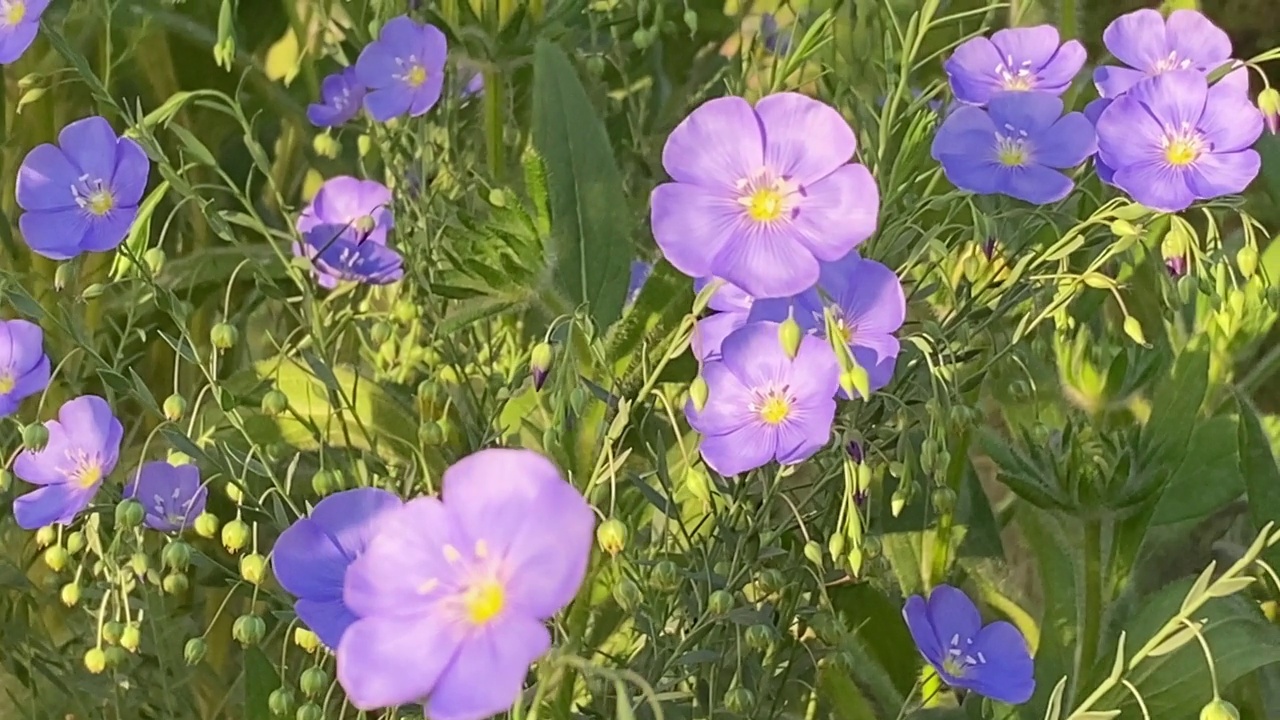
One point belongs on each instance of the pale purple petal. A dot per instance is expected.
(740, 451)
(1128, 134)
(41, 468)
(952, 613)
(838, 212)
(1230, 121)
(403, 557)
(1193, 37)
(90, 144)
(1217, 174)
(869, 294)
(728, 403)
(308, 563)
(807, 428)
(386, 103)
(1137, 39)
(16, 40)
(1057, 74)
(21, 345)
(489, 670)
(765, 260)
(1174, 97)
(1031, 112)
(916, 613)
(878, 355)
(815, 371)
(692, 225)
(709, 333)
(328, 619)
(1156, 184)
(377, 67)
(129, 181)
(1113, 81)
(1035, 46)
(90, 424)
(754, 354)
(55, 503)
(385, 661)
(974, 173)
(108, 231)
(1035, 184)
(718, 144)
(805, 140)
(971, 69)
(45, 180)
(56, 234)
(1069, 142)
(1006, 673)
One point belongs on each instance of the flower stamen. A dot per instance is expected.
(765, 197)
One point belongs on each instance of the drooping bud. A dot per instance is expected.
(698, 392)
(854, 448)
(790, 335)
(813, 552)
(1247, 261)
(253, 567)
(175, 583)
(1133, 329)
(943, 500)
(739, 700)
(1176, 265)
(70, 594)
(761, 637)
(248, 629)
(34, 437)
(131, 637)
(195, 650)
(274, 403)
(56, 558)
(720, 602)
(627, 594)
(989, 248)
(310, 711)
(665, 576)
(176, 555)
(224, 336)
(280, 702)
(1219, 709)
(206, 525)
(430, 434)
(540, 364)
(772, 580)
(95, 660)
(154, 258)
(612, 536)
(235, 535)
(898, 501)
(1269, 104)
(305, 639)
(129, 513)
(314, 682)
(75, 542)
(45, 536)
(115, 656)
(835, 544)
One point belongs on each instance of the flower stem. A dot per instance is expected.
(1068, 20)
(1090, 600)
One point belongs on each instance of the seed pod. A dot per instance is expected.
(95, 660)
(305, 639)
(224, 336)
(1247, 261)
(111, 632)
(131, 638)
(772, 580)
(175, 583)
(739, 700)
(70, 594)
(280, 702)
(835, 544)
(761, 637)
(176, 555)
(274, 403)
(944, 500)
(627, 594)
(310, 711)
(612, 536)
(430, 434)
(720, 602)
(813, 552)
(665, 576)
(75, 542)
(34, 437)
(314, 682)
(195, 650)
(235, 535)
(175, 406)
(56, 558)
(253, 568)
(206, 525)
(248, 630)
(1219, 709)
(45, 536)
(129, 513)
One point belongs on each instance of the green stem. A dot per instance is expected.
(1068, 19)
(494, 107)
(1090, 601)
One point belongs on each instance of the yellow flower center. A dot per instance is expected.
(417, 76)
(1017, 83)
(483, 602)
(88, 475)
(1012, 152)
(952, 666)
(17, 11)
(100, 202)
(775, 409)
(765, 205)
(766, 197)
(7, 381)
(1181, 152)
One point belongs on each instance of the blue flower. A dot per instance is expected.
(992, 661)
(403, 69)
(1015, 147)
(171, 495)
(1015, 60)
(640, 271)
(340, 97)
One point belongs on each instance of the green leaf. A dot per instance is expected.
(1258, 467)
(878, 623)
(1209, 476)
(1019, 473)
(260, 679)
(589, 253)
(1174, 410)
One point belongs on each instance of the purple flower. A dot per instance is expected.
(763, 405)
(1015, 59)
(868, 305)
(403, 69)
(992, 661)
(1151, 46)
(640, 272)
(340, 97)
(454, 593)
(171, 495)
(311, 556)
(1092, 112)
(1173, 140)
(1176, 265)
(775, 39)
(83, 446)
(344, 232)
(24, 366)
(474, 86)
(731, 306)
(82, 194)
(761, 195)
(1015, 147)
(19, 21)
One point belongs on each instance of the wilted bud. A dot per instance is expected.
(95, 660)
(1269, 104)
(698, 393)
(274, 403)
(720, 602)
(540, 364)
(761, 637)
(739, 700)
(174, 583)
(253, 568)
(430, 434)
(665, 576)
(224, 336)
(309, 711)
(627, 594)
(131, 638)
(56, 558)
(1247, 261)
(235, 535)
(195, 650)
(790, 335)
(989, 248)
(280, 702)
(305, 639)
(70, 594)
(813, 552)
(45, 536)
(1219, 709)
(854, 448)
(944, 500)
(314, 681)
(34, 437)
(612, 536)
(248, 629)
(129, 513)
(176, 555)
(206, 525)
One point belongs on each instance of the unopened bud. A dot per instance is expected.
(627, 594)
(698, 392)
(855, 382)
(790, 335)
(93, 291)
(540, 364)
(665, 576)
(274, 403)
(35, 437)
(1269, 104)
(248, 629)
(314, 681)
(206, 525)
(95, 660)
(195, 650)
(131, 638)
(280, 702)
(835, 544)
(854, 448)
(253, 568)
(154, 258)
(761, 637)
(174, 583)
(1123, 228)
(612, 536)
(813, 552)
(70, 594)
(111, 632)
(898, 501)
(45, 536)
(129, 513)
(854, 559)
(1219, 709)
(1133, 329)
(944, 500)
(75, 542)
(139, 563)
(720, 602)
(324, 482)
(309, 711)
(235, 535)
(772, 580)
(739, 700)
(326, 145)
(305, 639)
(224, 336)
(176, 555)
(1247, 261)
(56, 558)
(430, 434)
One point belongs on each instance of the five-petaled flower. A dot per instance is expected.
(24, 366)
(761, 195)
(868, 307)
(344, 233)
(340, 97)
(1017, 146)
(1151, 45)
(311, 557)
(730, 306)
(171, 495)
(1172, 140)
(19, 21)
(762, 404)
(403, 69)
(82, 449)
(992, 661)
(81, 195)
(1013, 60)
(453, 593)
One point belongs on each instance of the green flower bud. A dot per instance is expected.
(174, 583)
(139, 563)
(95, 660)
(94, 290)
(405, 310)
(129, 513)
(739, 700)
(627, 594)
(899, 501)
(1133, 329)
(324, 482)
(380, 333)
(642, 38)
(253, 568)
(665, 576)
(224, 336)
(1219, 709)
(234, 493)
(195, 650)
(176, 555)
(280, 702)
(691, 21)
(835, 544)
(772, 580)
(790, 335)
(314, 682)
(34, 437)
(944, 500)
(326, 146)
(115, 656)
(854, 560)
(698, 391)
(309, 711)
(430, 434)
(206, 525)
(612, 536)
(111, 632)
(175, 406)
(761, 637)
(1247, 261)
(305, 639)
(813, 552)
(70, 594)
(75, 542)
(131, 638)
(64, 275)
(274, 403)
(720, 602)
(235, 535)
(540, 364)
(1123, 228)
(154, 258)
(871, 546)
(45, 536)
(826, 627)
(56, 558)
(248, 630)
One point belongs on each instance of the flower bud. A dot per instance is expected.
(325, 146)
(612, 536)
(93, 291)
(404, 311)
(64, 275)
(314, 682)
(720, 602)
(305, 639)
(111, 632)
(174, 583)
(6, 479)
(115, 656)
(898, 501)
(70, 594)
(871, 546)
(1219, 709)
(139, 563)
(364, 145)
(175, 406)
(540, 364)
(248, 629)
(34, 437)
(56, 558)
(772, 580)
(835, 544)
(235, 535)
(854, 449)
(1269, 104)
(324, 482)
(739, 700)
(1247, 261)
(195, 650)
(224, 336)
(855, 382)
(280, 702)
(665, 576)
(154, 258)
(45, 536)
(95, 660)
(944, 500)
(309, 711)
(206, 525)
(1133, 329)
(790, 335)
(176, 555)
(854, 560)
(253, 568)
(627, 594)
(131, 638)
(430, 434)
(761, 637)
(698, 391)
(813, 552)
(274, 403)
(75, 542)
(129, 513)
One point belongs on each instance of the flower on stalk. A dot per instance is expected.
(775, 39)
(731, 306)
(453, 593)
(311, 557)
(1151, 45)
(868, 305)
(344, 232)
(403, 69)
(340, 97)
(171, 495)
(640, 272)
(19, 21)
(992, 661)
(1173, 140)
(763, 405)
(24, 366)
(761, 195)
(1017, 146)
(82, 448)
(82, 194)
(1014, 59)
